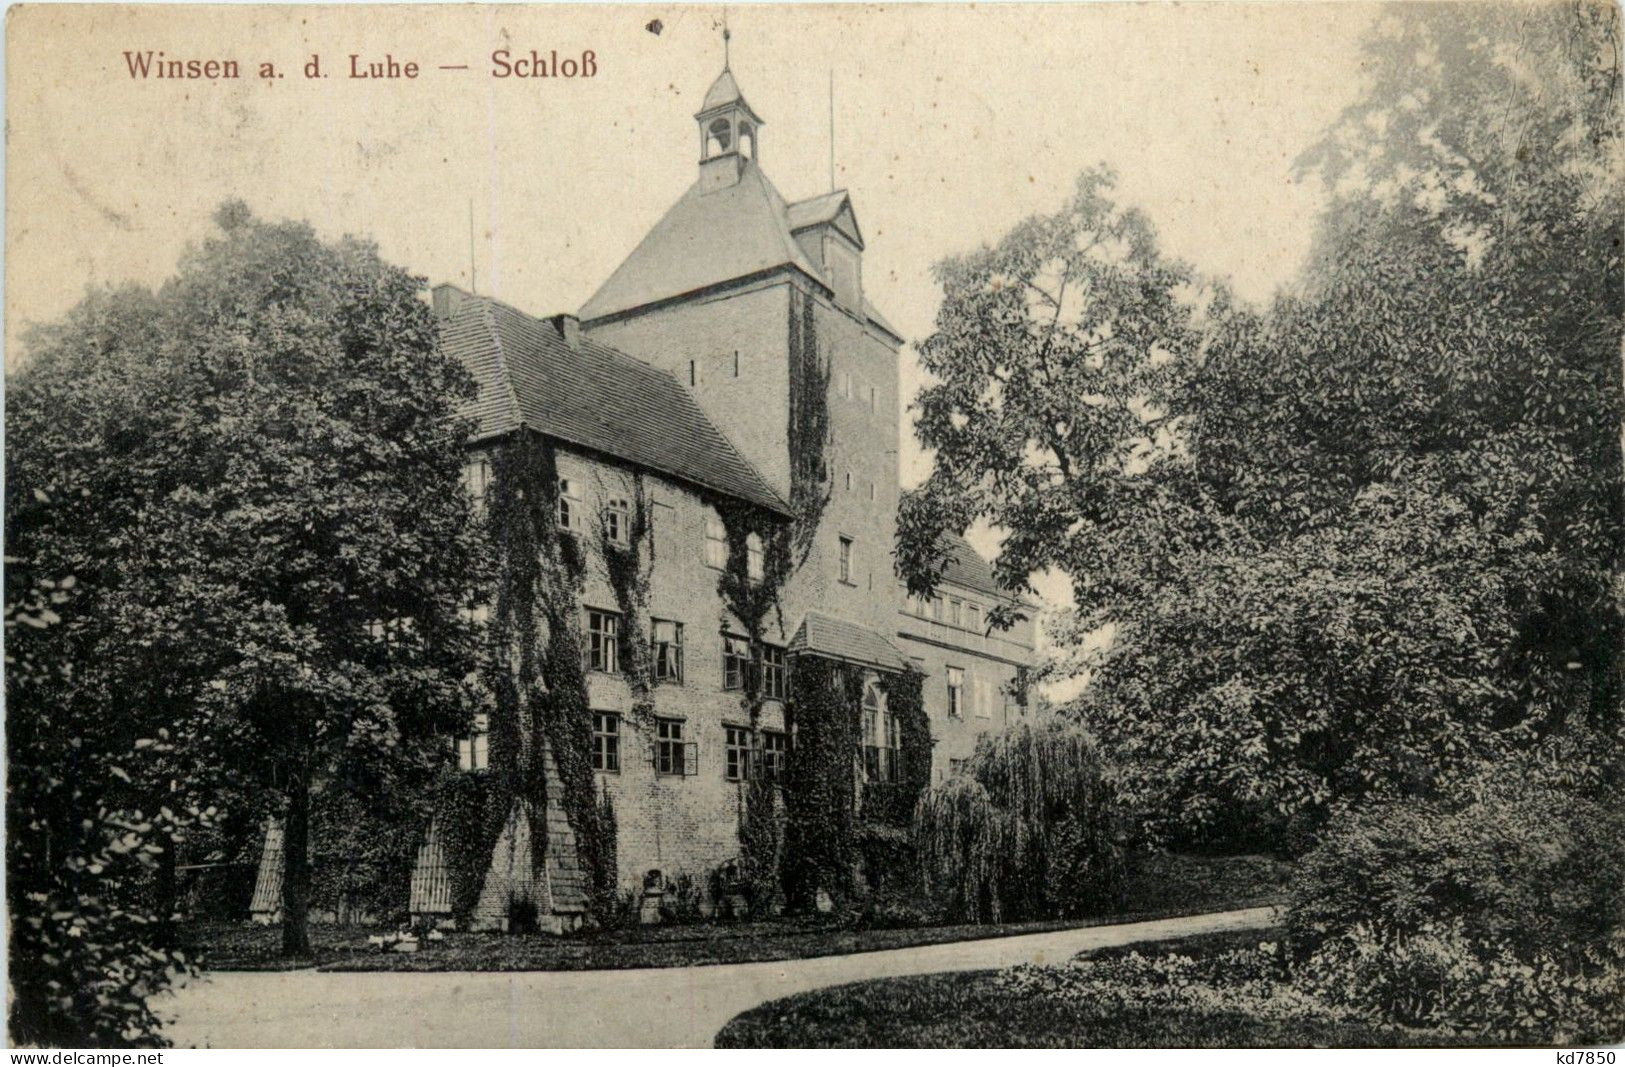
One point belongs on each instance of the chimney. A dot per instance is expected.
(446, 298)
(569, 328)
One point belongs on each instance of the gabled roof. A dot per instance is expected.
(964, 566)
(825, 635)
(585, 393)
(707, 238)
(827, 208)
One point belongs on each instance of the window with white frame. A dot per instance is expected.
(667, 641)
(474, 750)
(956, 611)
(774, 672)
(735, 661)
(603, 641)
(775, 747)
(672, 754)
(569, 504)
(606, 742)
(735, 753)
(616, 520)
(956, 692)
(716, 542)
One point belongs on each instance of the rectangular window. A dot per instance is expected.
(956, 692)
(668, 651)
(735, 660)
(873, 405)
(474, 751)
(956, 766)
(849, 481)
(755, 562)
(693, 372)
(716, 543)
(603, 641)
(871, 490)
(476, 480)
(846, 560)
(735, 753)
(973, 616)
(569, 505)
(981, 698)
(671, 754)
(956, 611)
(846, 385)
(773, 672)
(775, 746)
(936, 609)
(616, 520)
(606, 742)
(736, 363)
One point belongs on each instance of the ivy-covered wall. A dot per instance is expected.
(820, 834)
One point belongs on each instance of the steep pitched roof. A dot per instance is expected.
(585, 393)
(825, 635)
(708, 237)
(965, 567)
(725, 91)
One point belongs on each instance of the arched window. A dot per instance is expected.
(880, 736)
(755, 563)
(721, 136)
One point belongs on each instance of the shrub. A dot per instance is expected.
(1526, 865)
(1029, 831)
(1497, 917)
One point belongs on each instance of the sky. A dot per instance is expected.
(949, 126)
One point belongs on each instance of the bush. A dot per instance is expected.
(1030, 831)
(1531, 866)
(1498, 917)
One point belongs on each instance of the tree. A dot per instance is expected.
(1380, 542)
(262, 462)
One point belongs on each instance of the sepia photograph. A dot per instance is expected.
(602, 526)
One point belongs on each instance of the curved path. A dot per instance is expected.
(671, 1007)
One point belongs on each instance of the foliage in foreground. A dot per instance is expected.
(1500, 916)
(246, 484)
(1028, 830)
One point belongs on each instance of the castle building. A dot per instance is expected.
(730, 366)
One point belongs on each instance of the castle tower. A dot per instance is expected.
(726, 292)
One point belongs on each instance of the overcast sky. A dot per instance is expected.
(950, 126)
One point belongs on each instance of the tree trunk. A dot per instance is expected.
(296, 870)
(166, 894)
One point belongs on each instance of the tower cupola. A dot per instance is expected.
(728, 132)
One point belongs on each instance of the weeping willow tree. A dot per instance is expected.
(1027, 831)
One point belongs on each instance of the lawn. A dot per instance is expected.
(1157, 887)
(980, 1009)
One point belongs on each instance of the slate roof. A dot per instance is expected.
(708, 237)
(588, 394)
(965, 566)
(825, 635)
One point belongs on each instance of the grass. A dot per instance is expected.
(1157, 887)
(976, 1010)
